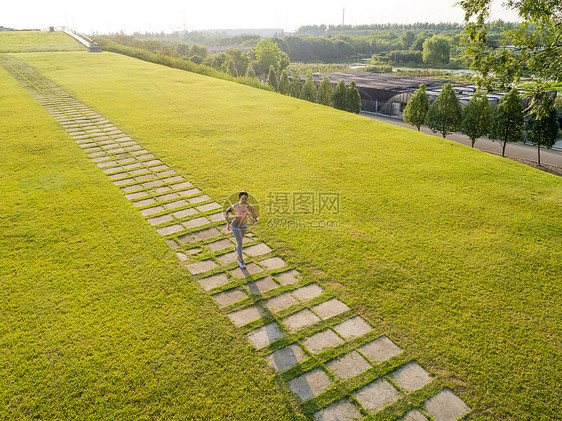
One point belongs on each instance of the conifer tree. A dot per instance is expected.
(445, 113)
(507, 119)
(416, 108)
(272, 77)
(477, 117)
(543, 131)
(308, 91)
(353, 99)
(250, 72)
(296, 86)
(325, 90)
(284, 86)
(339, 96)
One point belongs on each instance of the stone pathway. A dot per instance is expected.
(331, 359)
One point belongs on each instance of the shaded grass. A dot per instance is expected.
(98, 319)
(454, 253)
(36, 41)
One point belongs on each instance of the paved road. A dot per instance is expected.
(550, 157)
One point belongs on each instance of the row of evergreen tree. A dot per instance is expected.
(505, 123)
(343, 97)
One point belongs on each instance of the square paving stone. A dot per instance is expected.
(227, 258)
(138, 195)
(175, 205)
(189, 192)
(322, 340)
(280, 302)
(199, 199)
(166, 173)
(377, 395)
(330, 308)
(446, 406)
(183, 185)
(310, 384)
(262, 286)
(411, 376)
(286, 357)
(258, 250)
(265, 335)
(139, 172)
(196, 222)
(414, 415)
(302, 319)
(288, 278)
(169, 196)
(219, 245)
(152, 211)
(184, 213)
(161, 190)
(201, 267)
(273, 263)
(353, 328)
(186, 238)
(207, 233)
(216, 217)
(379, 350)
(144, 202)
(152, 183)
(246, 315)
(159, 168)
(171, 229)
(120, 178)
(307, 292)
(214, 281)
(131, 188)
(160, 219)
(229, 297)
(350, 365)
(340, 411)
(251, 269)
(173, 179)
(148, 177)
(208, 207)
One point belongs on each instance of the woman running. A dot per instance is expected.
(241, 209)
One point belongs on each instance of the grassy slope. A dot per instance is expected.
(98, 322)
(34, 41)
(453, 252)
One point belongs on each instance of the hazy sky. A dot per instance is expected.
(169, 15)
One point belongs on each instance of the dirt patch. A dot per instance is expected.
(552, 169)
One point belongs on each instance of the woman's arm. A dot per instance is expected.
(253, 213)
(227, 217)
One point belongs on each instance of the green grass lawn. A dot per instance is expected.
(36, 41)
(454, 253)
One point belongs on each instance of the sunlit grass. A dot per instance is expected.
(35, 41)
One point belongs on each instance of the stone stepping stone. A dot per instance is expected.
(288, 278)
(219, 245)
(114, 151)
(152, 184)
(186, 238)
(201, 267)
(145, 202)
(189, 192)
(183, 185)
(261, 286)
(196, 222)
(214, 281)
(300, 320)
(184, 213)
(139, 172)
(101, 159)
(353, 328)
(112, 170)
(375, 396)
(414, 415)
(251, 269)
(310, 384)
(199, 199)
(446, 406)
(280, 302)
(206, 233)
(322, 340)
(330, 308)
(161, 190)
(380, 350)
(181, 257)
(286, 358)
(159, 168)
(246, 315)
(173, 179)
(216, 217)
(152, 211)
(340, 411)
(138, 195)
(265, 335)
(144, 157)
(125, 160)
(411, 377)
(171, 229)
(146, 178)
(132, 166)
(350, 365)
(229, 297)
(167, 197)
(273, 263)
(227, 258)
(129, 189)
(258, 250)
(174, 205)
(160, 219)
(307, 292)
(166, 173)
(208, 207)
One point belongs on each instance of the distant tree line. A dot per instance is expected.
(505, 123)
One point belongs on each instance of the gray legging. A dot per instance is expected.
(239, 230)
